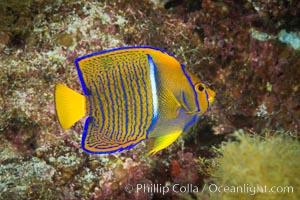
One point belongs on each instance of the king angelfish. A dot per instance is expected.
(132, 94)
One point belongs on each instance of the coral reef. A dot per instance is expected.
(242, 49)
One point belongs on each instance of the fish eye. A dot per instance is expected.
(199, 87)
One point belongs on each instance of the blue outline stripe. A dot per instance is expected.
(110, 152)
(121, 48)
(81, 78)
(207, 99)
(191, 83)
(85, 130)
(185, 102)
(196, 99)
(190, 122)
(183, 98)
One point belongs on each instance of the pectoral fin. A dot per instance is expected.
(163, 142)
(168, 105)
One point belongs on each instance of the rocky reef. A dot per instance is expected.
(247, 51)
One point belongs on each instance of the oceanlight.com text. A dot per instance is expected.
(249, 189)
(210, 188)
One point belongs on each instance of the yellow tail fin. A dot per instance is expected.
(70, 106)
(164, 141)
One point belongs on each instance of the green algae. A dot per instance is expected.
(255, 161)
